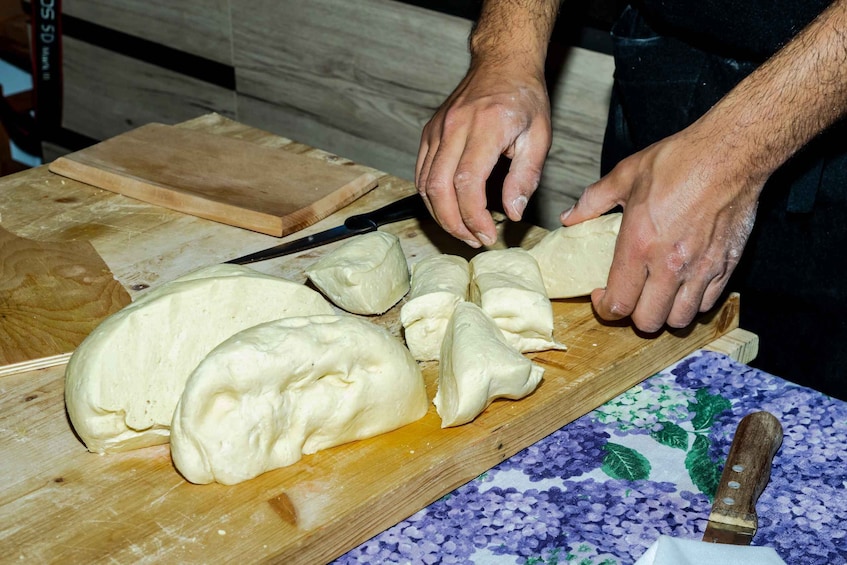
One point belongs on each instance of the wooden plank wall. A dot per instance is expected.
(359, 79)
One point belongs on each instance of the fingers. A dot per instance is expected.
(525, 171)
(438, 165)
(597, 199)
(664, 295)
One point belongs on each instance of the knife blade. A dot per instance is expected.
(403, 209)
(733, 518)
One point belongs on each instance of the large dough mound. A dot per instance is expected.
(575, 260)
(439, 283)
(291, 387)
(478, 366)
(366, 275)
(507, 284)
(124, 380)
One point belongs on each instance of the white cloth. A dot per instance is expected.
(676, 551)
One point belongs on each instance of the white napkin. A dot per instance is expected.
(676, 551)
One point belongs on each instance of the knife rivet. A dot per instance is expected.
(729, 501)
(738, 468)
(734, 485)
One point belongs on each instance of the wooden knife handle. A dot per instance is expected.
(747, 470)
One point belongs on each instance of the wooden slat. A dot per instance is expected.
(199, 27)
(106, 94)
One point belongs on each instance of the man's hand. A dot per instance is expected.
(500, 108)
(690, 200)
(492, 112)
(687, 216)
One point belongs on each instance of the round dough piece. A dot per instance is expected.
(575, 260)
(366, 275)
(290, 387)
(123, 381)
(478, 366)
(439, 283)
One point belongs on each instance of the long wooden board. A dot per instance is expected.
(52, 295)
(59, 503)
(219, 178)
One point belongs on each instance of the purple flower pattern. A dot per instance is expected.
(556, 502)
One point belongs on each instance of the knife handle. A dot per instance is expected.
(747, 471)
(403, 209)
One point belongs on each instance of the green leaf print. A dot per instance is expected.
(706, 407)
(621, 462)
(671, 435)
(704, 472)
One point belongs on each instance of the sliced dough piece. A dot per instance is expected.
(575, 260)
(478, 366)
(290, 387)
(439, 283)
(507, 284)
(124, 380)
(366, 275)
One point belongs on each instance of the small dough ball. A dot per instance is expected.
(366, 275)
(575, 260)
(124, 380)
(290, 387)
(507, 284)
(439, 283)
(478, 366)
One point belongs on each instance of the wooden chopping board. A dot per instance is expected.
(59, 503)
(52, 295)
(219, 178)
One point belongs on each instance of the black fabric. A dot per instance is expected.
(793, 273)
(752, 29)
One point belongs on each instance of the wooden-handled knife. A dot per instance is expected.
(405, 208)
(733, 518)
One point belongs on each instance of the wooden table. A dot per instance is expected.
(60, 503)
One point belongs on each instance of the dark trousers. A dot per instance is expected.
(793, 272)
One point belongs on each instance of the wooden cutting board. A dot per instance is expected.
(219, 178)
(52, 295)
(59, 503)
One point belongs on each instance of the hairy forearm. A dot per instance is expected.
(513, 32)
(785, 103)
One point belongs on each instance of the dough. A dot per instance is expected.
(123, 381)
(478, 366)
(576, 260)
(439, 283)
(507, 284)
(290, 387)
(366, 275)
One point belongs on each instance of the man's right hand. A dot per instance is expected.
(500, 108)
(491, 113)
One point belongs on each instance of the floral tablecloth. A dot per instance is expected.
(602, 489)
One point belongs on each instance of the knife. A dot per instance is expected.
(733, 518)
(403, 209)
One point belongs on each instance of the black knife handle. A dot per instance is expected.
(403, 209)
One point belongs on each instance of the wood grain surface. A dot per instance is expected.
(106, 93)
(52, 295)
(227, 180)
(199, 27)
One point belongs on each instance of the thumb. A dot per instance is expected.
(530, 152)
(595, 200)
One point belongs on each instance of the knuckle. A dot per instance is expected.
(465, 180)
